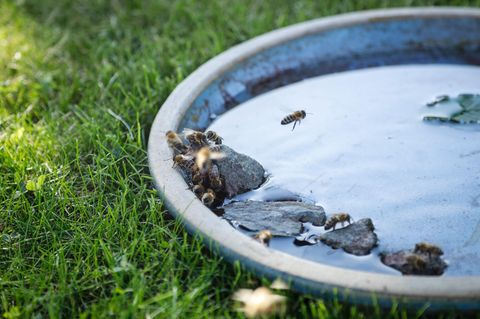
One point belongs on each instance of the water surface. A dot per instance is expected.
(365, 150)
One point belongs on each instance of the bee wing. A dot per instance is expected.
(200, 160)
(187, 157)
(217, 155)
(187, 131)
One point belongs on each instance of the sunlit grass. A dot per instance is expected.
(82, 230)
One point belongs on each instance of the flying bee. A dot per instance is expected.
(214, 137)
(208, 197)
(214, 177)
(195, 138)
(175, 143)
(198, 190)
(428, 249)
(185, 162)
(295, 117)
(333, 220)
(417, 262)
(204, 158)
(263, 236)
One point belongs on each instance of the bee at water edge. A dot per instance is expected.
(175, 143)
(264, 236)
(185, 162)
(209, 197)
(195, 138)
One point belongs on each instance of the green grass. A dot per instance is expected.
(82, 230)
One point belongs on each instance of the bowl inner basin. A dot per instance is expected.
(365, 150)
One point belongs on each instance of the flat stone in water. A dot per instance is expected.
(281, 218)
(357, 239)
(240, 172)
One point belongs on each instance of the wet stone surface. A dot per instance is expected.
(411, 263)
(280, 218)
(358, 238)
(240, 172)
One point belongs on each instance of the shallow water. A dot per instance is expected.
(365, 150)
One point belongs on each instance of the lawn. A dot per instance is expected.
(82, 230)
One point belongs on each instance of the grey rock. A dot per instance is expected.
(411, 263)
(357, 239)
(281, 218)
(240, 172)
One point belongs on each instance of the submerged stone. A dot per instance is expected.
(240, 172)
(280, 218)
(409, 262)
(358, 238)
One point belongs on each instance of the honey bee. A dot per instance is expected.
(295, 117)
(204, 158)
(427, 248)
(416, 262)
(195, 138)
(197, 177)
(198, 190)
(214, 177)
(185, 162)
(214, 137)
(215, 148)
(263, 236)
(208, 197)
(175, 143)
(337, 218)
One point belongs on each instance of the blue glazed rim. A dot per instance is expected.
(323, 46)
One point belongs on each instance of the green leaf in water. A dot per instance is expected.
(469, 101)
(469, 109)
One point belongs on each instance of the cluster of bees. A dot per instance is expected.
(196, 158)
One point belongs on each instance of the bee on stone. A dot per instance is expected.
(195, 138)
(416, 262)
(198, 190)
(208, 197)
(214, 137)
(204, 158)
(216, 148)
(429, 249)
(214, 177)
(333, 220)
(175, 143)
(197, 177)
(263, 236)
(295, 117)
(185, 162)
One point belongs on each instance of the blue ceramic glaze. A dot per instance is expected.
(409, 41)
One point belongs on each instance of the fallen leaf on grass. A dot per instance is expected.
(260, 302)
